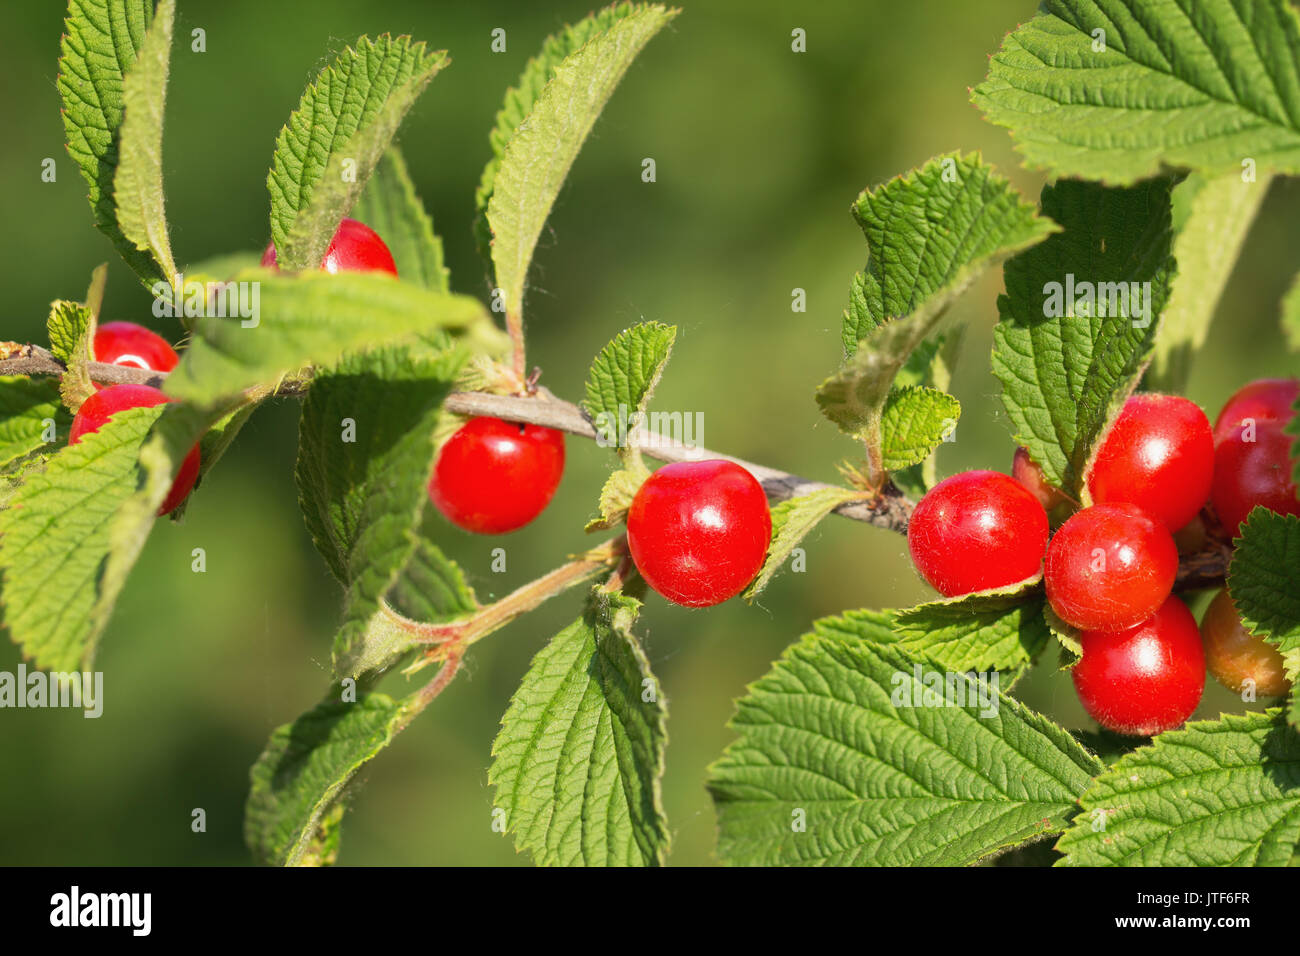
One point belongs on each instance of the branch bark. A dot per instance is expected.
(1207, 567)
(34, 360)
(891, 510)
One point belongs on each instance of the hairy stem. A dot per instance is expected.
(460, 634)
(430, 691)
(515, 326)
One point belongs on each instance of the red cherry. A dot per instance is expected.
(699, 530)
(1025, 471)
(494, 476)
(1235, 656)
(1250, 473)
(977, 530)
(125, 343)
(107, 402)
(1265, 400)
(1145, 679)
(1159, 455)
(355, 248)
(1109, 567)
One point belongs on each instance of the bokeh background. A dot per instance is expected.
(759, 153)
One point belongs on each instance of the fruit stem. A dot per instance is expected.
(620, 577)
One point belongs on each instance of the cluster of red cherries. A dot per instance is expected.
(1109, 569)
(697, 531)
(355, 247)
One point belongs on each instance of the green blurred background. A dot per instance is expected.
(759, 153)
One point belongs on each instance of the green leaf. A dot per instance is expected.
(431, 587)
(1067, 636)
(71, 327)
(314, 318)
(70, 322)
(542, 149)
(349, 113)
(365, 454)
(293, 808)
(867, 624)
(389, 205)
(138, 182)
(348, 172)
(56, 536)
(578, 761)
(929, 234)
(66, 325)
(914, 422)
(1206, 249)
(999, 630)
(1065, 368)
(616, 495)
(792, 520)
(829, 770)
(1264, 580)
(1203, 87)
(521, 97)
(1217, 793)
(13, 476)
(29, 410)
(930, 364)
(101, 40)
(623, 376)
(1291, 314)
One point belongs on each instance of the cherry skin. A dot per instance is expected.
(494, 476)
(1250, 473)
(1235, 656)
(1025, 471)
(1264, 400)
(1159, 455)
(699, 531)
(977, 530)
(125, 343)
(1109, 567)
(355, 248)
(1145, 679)
(107, 402)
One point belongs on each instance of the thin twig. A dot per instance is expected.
(461, 633)
(427, 694)
(890, 510)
